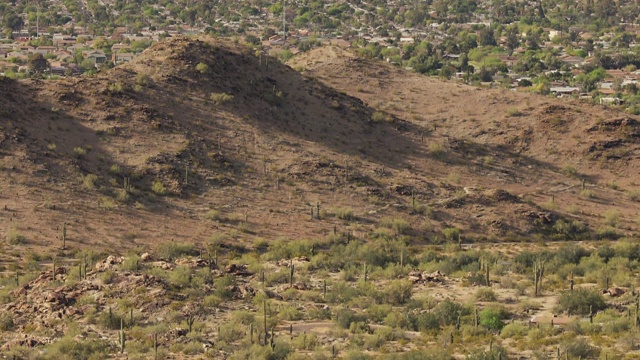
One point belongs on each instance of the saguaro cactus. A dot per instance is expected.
(155, 345)
(64, 236)
(121, 337)
(538, 273)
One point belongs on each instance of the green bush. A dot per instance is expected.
(180, 276)
(398, 292)
(69, 348)
(222, 287)
(79, 152)
(202, 68)
(485, 294)
(158, 187)
(492, 317)
(14, 236)
(343, 213)
(580, 301)
(448, 311)
(514, 330)
(109, 320)
(580, 348)
(345, 317)
(220, 98)
(172, 250)
(6, 321)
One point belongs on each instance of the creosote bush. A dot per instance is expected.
(581, 301)
(158, 187)
(220, 98)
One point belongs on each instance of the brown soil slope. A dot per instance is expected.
(529, 145)
(250, 167)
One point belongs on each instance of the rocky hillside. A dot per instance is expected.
(197, 138)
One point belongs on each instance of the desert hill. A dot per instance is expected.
(217, 140)
(234, 194)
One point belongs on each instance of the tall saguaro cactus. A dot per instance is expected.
(538, 273)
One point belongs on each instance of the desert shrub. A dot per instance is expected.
(437, 150)
(110, 320)
(571, 254)
(514, 330)
(580, 348)
(280, 351)
(222, 285)
(485, 294)
(398, 292)
(611, 217)
(6, 321)
(425, 322)
(158, 187)
(290, 313)
(587, 194)
(69, 348)
(115, 169)
(451, 233)
(343, 213)
(202, 68)
(79, 152)
(570, 230)
(220, 98)
(106, 277)
(132, 263)
(172, 250)
(142, 79)
(401, 226)
(634, 195)
(211, 301)
(448, 311)
(581, 301)
(378, 117)
(492, 317)
(569, 171)
(231, 331)
(496, 352)
(430, 354)
(89, 181)
(212, 215)
(14, 236)
(345, 317)
(192, 348)
(180, 276)
(627, 249)
(376, 313)
(607, 232)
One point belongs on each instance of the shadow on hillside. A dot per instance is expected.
(278, 100)
(60, 148)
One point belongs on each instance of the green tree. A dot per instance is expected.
(38, 64)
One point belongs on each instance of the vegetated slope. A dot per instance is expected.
(249, 165)
(536, 147)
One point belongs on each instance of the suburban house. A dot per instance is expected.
(565, 90)
(116, 48)
(276, 40)
(119, 58)
(507, 59)
(95, 57)
(572, 60)
(610, 101)
(44, 50)
(551, 320)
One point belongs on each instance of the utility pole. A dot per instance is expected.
(38, 21)
(284, 19)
